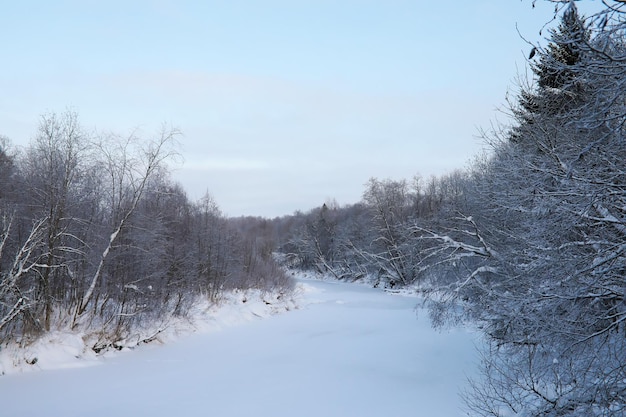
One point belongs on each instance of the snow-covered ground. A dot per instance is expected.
(73, 349)
(348, 351)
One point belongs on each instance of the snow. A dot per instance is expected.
(69, 349)
(347, 351)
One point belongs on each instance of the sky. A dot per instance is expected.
(282, 104)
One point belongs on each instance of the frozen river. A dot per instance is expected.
(349, 351)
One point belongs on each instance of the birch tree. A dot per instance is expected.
(128, 165)
(16, 299)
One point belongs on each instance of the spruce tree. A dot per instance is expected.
(557, 66)
(558, 88)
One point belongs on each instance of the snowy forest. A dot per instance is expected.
(95, 236)
(528, 244)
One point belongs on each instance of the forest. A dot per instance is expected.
(528, 244)
(95, 236)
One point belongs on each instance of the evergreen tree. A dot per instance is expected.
(558, 88)
(557, 66)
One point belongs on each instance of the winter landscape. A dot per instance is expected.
(346, 350)
(496, 289)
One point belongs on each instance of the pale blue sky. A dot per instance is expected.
(283, 104)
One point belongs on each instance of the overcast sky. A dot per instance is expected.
(283, 104)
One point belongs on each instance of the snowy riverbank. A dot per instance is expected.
(70, 349)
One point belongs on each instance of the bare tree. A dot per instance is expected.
(14, 299)
(390, 203)
(53, 169)
(129, 165)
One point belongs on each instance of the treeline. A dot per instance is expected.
(529, 243)
(95, 236)
(375, 239)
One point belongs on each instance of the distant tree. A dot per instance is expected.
(7, 170)
(392, 250)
